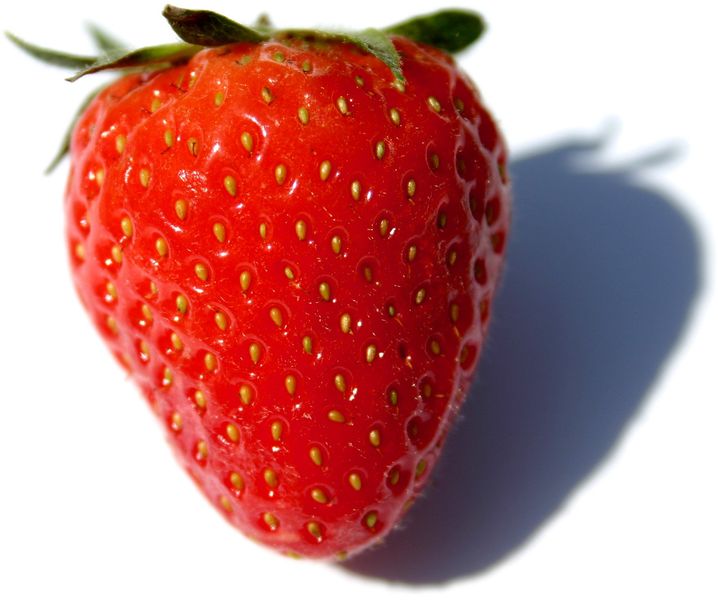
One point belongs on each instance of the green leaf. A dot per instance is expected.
(449, 30)
(378, 43)
(103, 40)
(65, 145)
(52, 57)
(167, 54)
(206, 28)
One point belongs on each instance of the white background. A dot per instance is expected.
(585, 465)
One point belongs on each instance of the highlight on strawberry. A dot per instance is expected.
(291, 240)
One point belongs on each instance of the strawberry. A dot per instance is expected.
(291, 242)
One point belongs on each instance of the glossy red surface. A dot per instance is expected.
(203, 231)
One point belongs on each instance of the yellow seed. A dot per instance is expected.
(146, 312)
(245, 279)
(219, 232)
(100, 177)
(126, 226)
(319, 496)
(218, 99)
(280, 174)
(176, 421)
(153, 289)
(375, 438)
(155, 106)
(345, 323)
(411, 253)
(303, 115)
(276, 430)
(459, 104)
(435, 347)
(193, 146)
(420, 296)
(288, 273)
(202, 450)
(116, 253)
(232, 432)
(144, 177)
(200, 400)
(210, 361)
(145, 350)
(220, 319)
(276, 315)
(230, 184)
(169, 138)
(271, 521)
(300, 227)
(336, 244)
(368, 274)
(391, 309)
(267, 95)
(411, 188)
(452, 258)
(325, 170)
(356, 189)
(394, 476)
(306, 66)
(441, 221)
(315, 454)
(263, 230)
(245, 394)
(395, 116)
(182, 303)
(393, 397)
(254, 352)
(434, 104)
(420, 467)
(370, 353)
(236, 480)
(400, 86)
(307, 344)
(324, 290)
(225, 503)
(176, 341)
(290, 383)
(359, 80)
(454, 312)
(112, 324)
(342, 105)
(270, 478)
(355, 481)
(247, 141)
(200, 270)
(314, 529)
(161, 246)
(278, 56)
(336, 416)
(120, 143)
(340, 383)
(181, 209)
(380, 149)
(167, 377)
(370, 519)
(111, 290)
(383, 227)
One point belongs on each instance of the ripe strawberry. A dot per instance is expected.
(293, 252)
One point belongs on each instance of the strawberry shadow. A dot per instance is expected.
(602, 273)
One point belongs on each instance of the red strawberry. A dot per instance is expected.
(294, 254)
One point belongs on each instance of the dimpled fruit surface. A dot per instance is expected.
(294, 256)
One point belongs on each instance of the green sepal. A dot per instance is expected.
(449, 30)
(207, 28)
(164, 55)
(64, 148)
(380, 45)
(52, 57)
(103, 40)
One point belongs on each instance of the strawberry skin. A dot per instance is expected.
(294, 257)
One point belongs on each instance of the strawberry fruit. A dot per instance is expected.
(291, 241)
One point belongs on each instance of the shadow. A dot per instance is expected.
(601, 276)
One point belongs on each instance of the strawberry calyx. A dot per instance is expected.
(450, 30)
